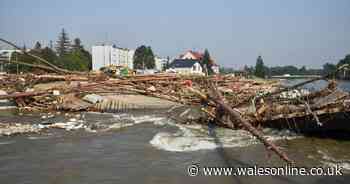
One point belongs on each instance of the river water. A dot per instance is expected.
(147, 147)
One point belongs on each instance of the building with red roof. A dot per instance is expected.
(192, 55)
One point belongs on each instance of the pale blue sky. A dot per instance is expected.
(297, 32)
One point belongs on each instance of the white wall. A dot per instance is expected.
(109, 55)
(195, 69)
(159, 63)
(131, 59)
(101, 56)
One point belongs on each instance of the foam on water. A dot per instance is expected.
(196, 137)
(329, 161)
(7, 142)
(125, 120)
(37, 138)
(146, 118)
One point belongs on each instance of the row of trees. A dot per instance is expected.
(67, 55)
(262, 71)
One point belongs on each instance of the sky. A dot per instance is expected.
(297, 32)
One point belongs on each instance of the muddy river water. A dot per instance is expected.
(147, 147)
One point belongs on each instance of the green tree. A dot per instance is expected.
(224, 70)
(207, 63)
(302, 71)
(50, 55)
(37, 46)
(76, 60)
(144, 58)
(329, 68)
(88, 58)
(260, 69)
(249, 69)
(63, 43)
(77, 44)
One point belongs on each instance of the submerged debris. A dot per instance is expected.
(7, 129)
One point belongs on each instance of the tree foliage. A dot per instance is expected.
(76, 60)
(144, 58)
(207, 63)
(293, 70)
(167, 64)
(260, 69)
(249, 69)
(77, 44)
(226, 70)
(329, 68)
(63, 45)
(71, 58)
(37, 46)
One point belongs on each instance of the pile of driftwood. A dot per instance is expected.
(228, 101)
(231, 101)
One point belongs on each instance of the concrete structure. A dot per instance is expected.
(106, 55)
(186, 66)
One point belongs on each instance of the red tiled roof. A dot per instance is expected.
(198, 55)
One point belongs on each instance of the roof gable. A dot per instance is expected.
(191, 55)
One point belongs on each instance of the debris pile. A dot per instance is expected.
(228, 101)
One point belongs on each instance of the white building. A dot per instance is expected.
(159, 63)
(194, 55)
(186, 66)
(215, 68)
(106, 55)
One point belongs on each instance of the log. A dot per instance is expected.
(23, 94)
(244, 123)
(33, 65)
